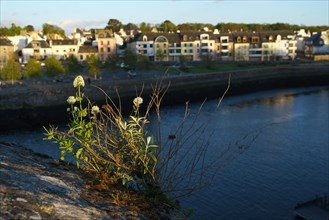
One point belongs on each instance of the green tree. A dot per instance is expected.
(53, 67)
(73, 65)
(32, 69)
(159, 55)
(168, 26)
(49, 29)
(111, 62)
(29, 28)
(114, 25)
(93, 66)
(130, 58)
(145, 27)
(12, 31)
(11, 71)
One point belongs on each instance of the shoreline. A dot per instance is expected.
(27, 106)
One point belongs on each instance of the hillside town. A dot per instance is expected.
(157, 46)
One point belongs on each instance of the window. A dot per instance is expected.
(108, 42)
(102, 49)
(204, 45)
(151, 45)
(81, 57)
(191, 51)
(101, 42)
(108, 49)
(210, 44)
(197, 44)
(185, 51)
(144, 38)
(64, 51)
(191, 45)
(57, 51)
(185, 45)
(238, 39)
(255, 40)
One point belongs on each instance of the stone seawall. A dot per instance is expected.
(36, 105)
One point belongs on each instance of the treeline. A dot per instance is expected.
(168, 26)
(46, 29)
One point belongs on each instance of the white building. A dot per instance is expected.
(62, 49)
(37, 49)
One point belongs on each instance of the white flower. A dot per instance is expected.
(75, 108)
(71, 100)
(138, 101)
(68, 109)
(94, 110)
(78, 81)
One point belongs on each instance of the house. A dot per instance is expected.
(190, 46)
(37, 49)
(317, 44)
(241, 46)
(268, 46)
(85, 51)
(286, 45)
(62, 49)
(226, 47)
(106, 43)
(7, 51)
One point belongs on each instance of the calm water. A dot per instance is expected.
(287, 163)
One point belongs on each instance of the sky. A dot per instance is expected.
(70, 14)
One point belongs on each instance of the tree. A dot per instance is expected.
(32, 69)
(11, 71)
(12, 31)
(29, 28)
(168, 26)
(73, 65)
(145, 27)
(48, 29)
(130, 58)
(111, 62)
(53, 67)
(114, 24)
(159, 55)
(93, 66)
(130, 27)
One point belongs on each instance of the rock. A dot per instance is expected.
(34, 186)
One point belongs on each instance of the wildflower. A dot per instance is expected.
(68, 109)
(75, 108)
(138, 101)
(78, 81)
(94, 110)
(71, 100)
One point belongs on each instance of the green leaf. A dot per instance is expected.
(79, 153)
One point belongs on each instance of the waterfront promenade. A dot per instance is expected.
(24, 105)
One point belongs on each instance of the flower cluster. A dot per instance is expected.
(94, 110)
(78, 81)
(138, 101)
(71, 100)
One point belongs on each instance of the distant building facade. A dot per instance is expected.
(7, 51)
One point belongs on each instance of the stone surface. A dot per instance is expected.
(35, 186)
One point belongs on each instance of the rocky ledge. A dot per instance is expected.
(35, 186)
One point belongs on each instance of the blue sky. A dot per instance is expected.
(95, 14)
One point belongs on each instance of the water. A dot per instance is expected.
(287, 162)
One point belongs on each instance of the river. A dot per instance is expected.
(286, 160)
